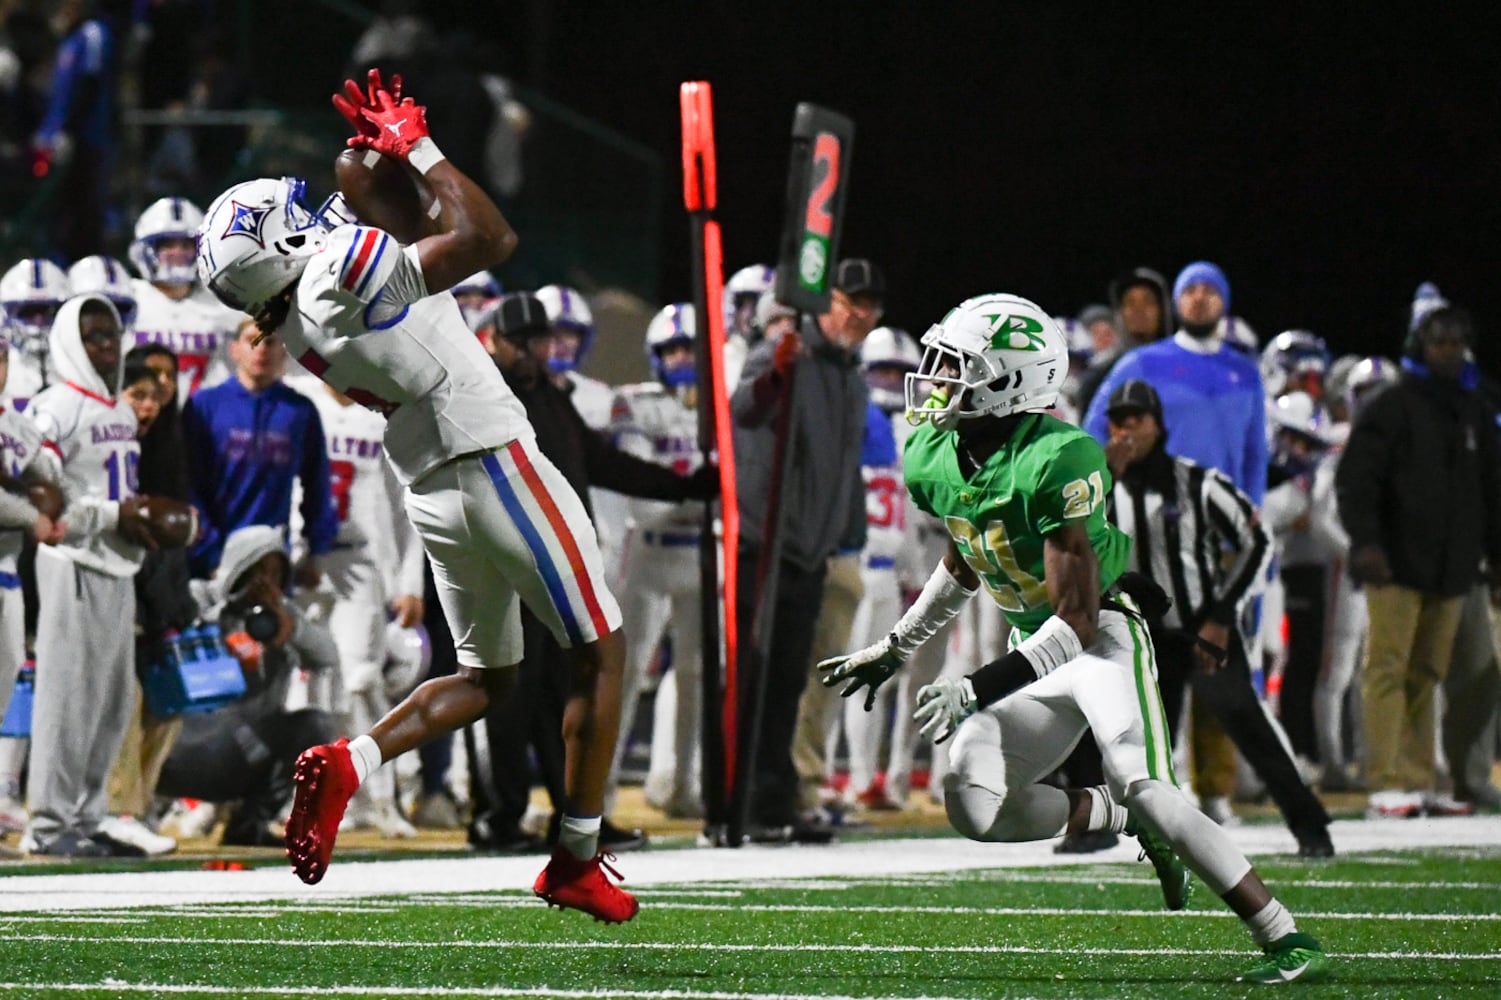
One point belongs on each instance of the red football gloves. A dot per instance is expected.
(383, 120)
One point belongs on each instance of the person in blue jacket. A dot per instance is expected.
(1211, 393)
(247, 439)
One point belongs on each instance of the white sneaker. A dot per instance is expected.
(1393, 803)
(195, 820)
(1439, 804)
(12, 816)
(133, 833)
(392, 824)
(1217, 808)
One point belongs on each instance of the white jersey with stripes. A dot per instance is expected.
(364, 322)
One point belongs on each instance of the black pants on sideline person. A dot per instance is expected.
(1229, 694)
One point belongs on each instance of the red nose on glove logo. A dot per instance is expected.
(395, 127)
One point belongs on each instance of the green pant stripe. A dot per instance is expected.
(1159, 743)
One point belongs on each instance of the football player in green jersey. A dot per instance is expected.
(1022, 495)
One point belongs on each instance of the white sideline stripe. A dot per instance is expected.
(1002, 875)
(154, 989)
(871, 949)
(681, 868)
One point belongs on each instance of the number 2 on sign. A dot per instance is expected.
(1081, 497)
(819, 220)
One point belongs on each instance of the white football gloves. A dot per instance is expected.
(942, 705)
(868, 668)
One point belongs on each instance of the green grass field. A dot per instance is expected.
(1401, 925)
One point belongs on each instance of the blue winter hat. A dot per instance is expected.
(1202, 272)
(1425, 300)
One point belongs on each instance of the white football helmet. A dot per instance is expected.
(1291, 359)
(674, 324)
(888, 351)
(101, 275)
(1298, 412)
(1367, 380)
(255, 241)
(30, 293)
(166, 218)
(478, 295)
(741, 293)
(569, 310)
(409, 655)
(990, 356)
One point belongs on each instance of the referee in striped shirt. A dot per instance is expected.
(1198, 538)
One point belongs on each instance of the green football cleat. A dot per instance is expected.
(1288, 959)
(1177, 883)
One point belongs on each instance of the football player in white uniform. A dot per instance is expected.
(888, 566)
(373, 573)
(742, 329)
(499, 522)
(20, 449)
(30, 293)
(171, 307)
(659, 579)
(85, 694)
(572, 334)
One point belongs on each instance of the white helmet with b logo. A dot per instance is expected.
(990, 356)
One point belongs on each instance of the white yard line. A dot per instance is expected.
(154, 989)
(750, 866)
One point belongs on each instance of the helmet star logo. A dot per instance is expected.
(248, 222)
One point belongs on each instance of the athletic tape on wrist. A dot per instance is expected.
(1053, 644)
(425, 155)
(941, 599)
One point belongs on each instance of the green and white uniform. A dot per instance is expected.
(1046, 475)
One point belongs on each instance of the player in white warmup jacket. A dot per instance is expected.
(172, 308)
(373, 573)
(659, 576)
(85, 691)
(499, 522)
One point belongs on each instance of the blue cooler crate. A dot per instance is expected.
(192, 672)
(17, 721)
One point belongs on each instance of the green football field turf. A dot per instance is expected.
(1400, 925)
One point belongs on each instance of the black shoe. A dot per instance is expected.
(1086, 842)
(1314, 843)
(813, 828)
(761, 833)
(613, 838)
(512, 841)
(72, 844)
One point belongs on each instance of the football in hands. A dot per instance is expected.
(383, 193)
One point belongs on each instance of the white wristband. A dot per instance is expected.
(425, 154)
(1053, 644)
(941, 599)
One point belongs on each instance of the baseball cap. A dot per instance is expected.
(521, 314)
(858, 276)
(1135, 396)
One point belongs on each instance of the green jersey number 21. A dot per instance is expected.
(991, 557)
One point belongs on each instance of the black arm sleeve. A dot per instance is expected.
(612, 469)
(1364, 467)
(999, 678)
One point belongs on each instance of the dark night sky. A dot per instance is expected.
(1328, 160)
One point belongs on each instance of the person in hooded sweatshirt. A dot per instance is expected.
(1211, 392)
(1419, 493)
(85, 675)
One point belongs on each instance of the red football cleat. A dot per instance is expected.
(569, 883)
(325, 780)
